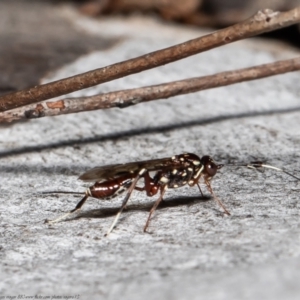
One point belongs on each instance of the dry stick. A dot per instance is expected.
(129, 97)
(263, 21)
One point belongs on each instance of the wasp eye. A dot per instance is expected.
(211, 169)
(209, 166)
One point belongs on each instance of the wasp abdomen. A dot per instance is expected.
(111, 188)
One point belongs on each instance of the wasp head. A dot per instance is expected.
(210, 167)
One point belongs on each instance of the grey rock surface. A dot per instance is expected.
(192, 250)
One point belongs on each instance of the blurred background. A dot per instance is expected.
(37, 37)
(198, 12)
(213, 13)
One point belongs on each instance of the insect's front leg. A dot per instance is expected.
(195, 181)
(207, 182)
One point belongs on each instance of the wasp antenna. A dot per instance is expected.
(259, 164)
(255, 165)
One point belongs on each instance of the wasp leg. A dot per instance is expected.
(215, 197)
(162, 191)
(150, 186)
(78, 207)
(200, 189)
(140, 189)
(130, 190)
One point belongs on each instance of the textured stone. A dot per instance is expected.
(193, 250)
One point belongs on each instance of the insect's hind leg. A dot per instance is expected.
(78, 207)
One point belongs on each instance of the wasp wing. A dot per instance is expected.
(113, 171)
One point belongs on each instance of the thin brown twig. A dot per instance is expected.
(129, 97)
(263, 21)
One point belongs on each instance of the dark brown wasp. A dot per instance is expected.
(157, 175)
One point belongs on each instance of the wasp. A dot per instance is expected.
(157, 176)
